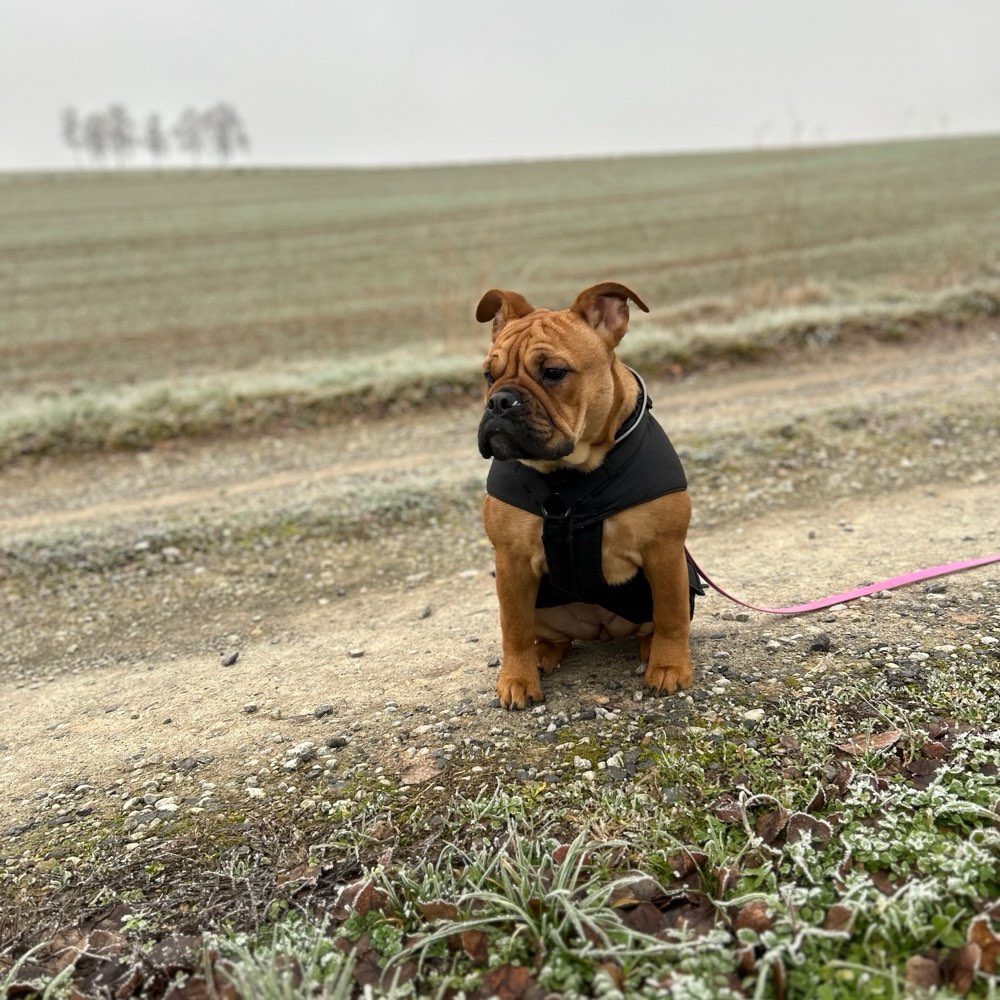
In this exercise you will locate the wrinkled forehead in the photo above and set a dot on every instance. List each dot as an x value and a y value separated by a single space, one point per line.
539 334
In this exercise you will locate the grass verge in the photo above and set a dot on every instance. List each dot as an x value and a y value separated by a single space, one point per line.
312 394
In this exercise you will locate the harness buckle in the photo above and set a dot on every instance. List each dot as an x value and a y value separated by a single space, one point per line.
554 508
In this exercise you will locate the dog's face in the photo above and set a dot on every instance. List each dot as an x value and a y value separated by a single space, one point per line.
551 396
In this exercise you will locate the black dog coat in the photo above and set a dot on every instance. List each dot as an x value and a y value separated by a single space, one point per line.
641 466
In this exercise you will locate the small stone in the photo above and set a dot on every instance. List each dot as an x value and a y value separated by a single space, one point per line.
336 742
820 643
229 657
250 707
754 715
581 764
355 654
425 613
322 711
303 751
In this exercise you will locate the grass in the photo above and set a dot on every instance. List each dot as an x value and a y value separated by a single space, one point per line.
226 402
742 860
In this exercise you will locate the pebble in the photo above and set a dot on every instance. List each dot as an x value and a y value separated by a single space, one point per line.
322 711
754 715
229 657
355 654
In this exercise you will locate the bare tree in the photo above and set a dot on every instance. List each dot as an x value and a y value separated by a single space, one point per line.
72 132
155 138
189 133
121 132
96 136
113 132
225 130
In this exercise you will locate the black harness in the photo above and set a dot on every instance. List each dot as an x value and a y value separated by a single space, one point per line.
642 465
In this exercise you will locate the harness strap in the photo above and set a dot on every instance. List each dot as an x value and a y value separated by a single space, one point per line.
850 595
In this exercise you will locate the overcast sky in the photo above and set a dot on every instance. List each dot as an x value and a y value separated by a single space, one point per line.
416 81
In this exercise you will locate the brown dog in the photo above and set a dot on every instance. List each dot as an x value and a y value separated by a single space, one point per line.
587 506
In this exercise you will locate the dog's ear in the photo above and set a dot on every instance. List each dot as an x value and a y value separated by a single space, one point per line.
606 305
501 307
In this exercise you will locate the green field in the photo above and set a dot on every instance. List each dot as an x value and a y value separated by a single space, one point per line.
117 278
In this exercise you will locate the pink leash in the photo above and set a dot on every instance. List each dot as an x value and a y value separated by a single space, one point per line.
850 595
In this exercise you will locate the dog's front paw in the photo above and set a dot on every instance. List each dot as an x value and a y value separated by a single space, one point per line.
668 678
518 690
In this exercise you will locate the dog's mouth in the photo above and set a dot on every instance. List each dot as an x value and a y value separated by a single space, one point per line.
505 439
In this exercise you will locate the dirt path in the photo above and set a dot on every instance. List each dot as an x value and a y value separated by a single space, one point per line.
105 674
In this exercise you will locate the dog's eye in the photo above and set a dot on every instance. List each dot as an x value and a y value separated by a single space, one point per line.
554 374
489 378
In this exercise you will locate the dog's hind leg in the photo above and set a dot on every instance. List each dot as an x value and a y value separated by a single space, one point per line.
551 654
645 643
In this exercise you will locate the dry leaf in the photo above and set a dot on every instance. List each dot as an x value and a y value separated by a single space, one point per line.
476 945
754 915
800 823
981 932
511 982
438 909
726 876
642 889
959 967
686 862
359 897
838 918
644 918
770 824
863 743
727 809
923 973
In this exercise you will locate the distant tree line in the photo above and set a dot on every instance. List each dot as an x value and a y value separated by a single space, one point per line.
112 135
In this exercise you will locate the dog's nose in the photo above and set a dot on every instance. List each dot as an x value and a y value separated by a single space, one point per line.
501 401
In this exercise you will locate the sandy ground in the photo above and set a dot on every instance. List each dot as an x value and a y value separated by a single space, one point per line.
96 674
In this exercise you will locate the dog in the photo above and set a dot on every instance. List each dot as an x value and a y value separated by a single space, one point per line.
587 506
